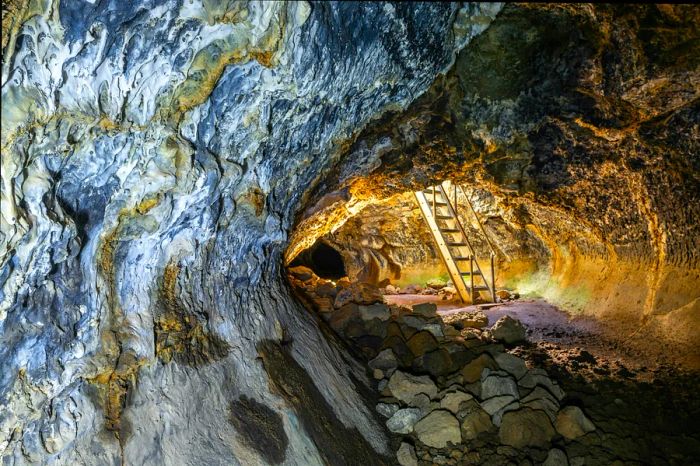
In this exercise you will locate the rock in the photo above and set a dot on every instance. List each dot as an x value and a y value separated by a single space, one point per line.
436 283
375 311
412 289
526 428
472 371
326 289
498 415
420 401
572 423
537 376
556 457
466 319
387 409
405 386
403 420
437 429
508 330
385 361
474 423
421 343
497 403
503 294
541 399
498 383
452 401
378 374
406 456
435 363
302 273
391 290
398 346
511 364
425 309
339 319
359 293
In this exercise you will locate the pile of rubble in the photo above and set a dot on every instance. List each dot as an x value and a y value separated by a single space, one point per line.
448 387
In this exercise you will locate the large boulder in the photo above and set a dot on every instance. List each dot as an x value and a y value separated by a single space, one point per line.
375 311
526 428
405 386
511 364
438 428
425 309
572 423
509 330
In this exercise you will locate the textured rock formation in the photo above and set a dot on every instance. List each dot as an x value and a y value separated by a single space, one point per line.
154 156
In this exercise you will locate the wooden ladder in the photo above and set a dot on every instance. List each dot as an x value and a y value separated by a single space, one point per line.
440 213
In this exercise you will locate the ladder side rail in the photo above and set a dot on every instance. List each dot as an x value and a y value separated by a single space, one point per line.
444 250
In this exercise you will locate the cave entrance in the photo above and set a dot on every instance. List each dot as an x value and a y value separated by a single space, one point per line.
324 260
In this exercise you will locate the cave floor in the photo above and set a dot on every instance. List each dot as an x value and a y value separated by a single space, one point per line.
641 395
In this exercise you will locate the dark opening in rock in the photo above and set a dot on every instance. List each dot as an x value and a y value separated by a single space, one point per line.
324 260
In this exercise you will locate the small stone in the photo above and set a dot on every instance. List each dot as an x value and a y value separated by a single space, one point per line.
511 364
498 383
541 399
405 386
391 290
508 330
385 361
474 423
425 309
375 311
452 401
403 420
497 403
556 457
421 343
387 409
406 456
438 428
466 319
302 273
472 371
535 377
411 289
572 423
503 294
420 401
378 374
436 283
526 428
436 363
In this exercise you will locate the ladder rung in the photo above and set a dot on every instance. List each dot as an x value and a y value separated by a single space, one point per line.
470 273
450 230
481 288
461 258
456 244
444 217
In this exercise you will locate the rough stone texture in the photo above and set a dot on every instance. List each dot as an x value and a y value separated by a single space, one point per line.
526 427
453 401
508 330
406 455
403 420
155 155
437 429
405 386
572 423
556 457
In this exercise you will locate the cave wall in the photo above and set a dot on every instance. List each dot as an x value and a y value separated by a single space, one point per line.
582 120
154 156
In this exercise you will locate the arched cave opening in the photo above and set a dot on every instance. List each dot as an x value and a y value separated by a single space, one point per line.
324 260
